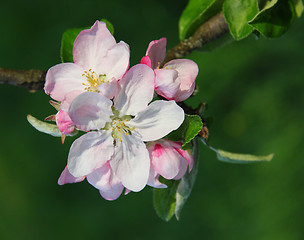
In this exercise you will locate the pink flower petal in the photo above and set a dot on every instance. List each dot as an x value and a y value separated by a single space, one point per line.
169 160
157 52
153 179
187 72
182 170
90 111
131 163
157 120
64 122
146 60
91 45
90 152
137 89
67 177
165 160
108 184
62 79
113 194
167 83
188 157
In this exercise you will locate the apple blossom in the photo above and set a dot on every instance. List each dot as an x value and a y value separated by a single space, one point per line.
122 128
64 122
103 178
169 160
176 80
99 62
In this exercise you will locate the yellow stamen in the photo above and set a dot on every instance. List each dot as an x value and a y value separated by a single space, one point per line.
93 80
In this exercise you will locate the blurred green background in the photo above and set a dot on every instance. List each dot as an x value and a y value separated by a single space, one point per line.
255 94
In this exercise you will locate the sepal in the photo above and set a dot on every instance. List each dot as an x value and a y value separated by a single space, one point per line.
47 128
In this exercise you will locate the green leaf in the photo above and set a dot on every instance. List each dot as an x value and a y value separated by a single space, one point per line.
193 16
164 199
191 126
230 157
275 18
241 158
237 157
169 201
266 4
47 128
298 6
67 42
68 38
186 184
44 127
237 14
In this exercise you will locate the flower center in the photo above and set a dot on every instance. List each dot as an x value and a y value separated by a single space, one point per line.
119 125
93 80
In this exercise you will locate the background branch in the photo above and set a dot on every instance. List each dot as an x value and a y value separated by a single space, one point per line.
212 29
32 79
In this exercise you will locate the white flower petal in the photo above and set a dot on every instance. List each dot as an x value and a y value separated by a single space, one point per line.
104 179
108 89
137 89
116 62
131 163
90 152
153 179
90 111
62 79
113 194
67 177
66 102
187 72
91 45
167 83
159 119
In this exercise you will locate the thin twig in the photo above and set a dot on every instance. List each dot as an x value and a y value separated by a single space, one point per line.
212 29
32 79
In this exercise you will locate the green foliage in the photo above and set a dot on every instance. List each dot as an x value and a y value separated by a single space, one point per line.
47 128
164 199
44 127
241 158
271 18
186 184
237 14
68 38
193 16
298 6
238 157
67 42
170 201
191 126
275 18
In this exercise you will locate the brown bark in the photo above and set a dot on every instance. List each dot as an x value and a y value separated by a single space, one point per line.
212 29
32 79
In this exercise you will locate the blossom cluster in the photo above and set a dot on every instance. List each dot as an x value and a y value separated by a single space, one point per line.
123 148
